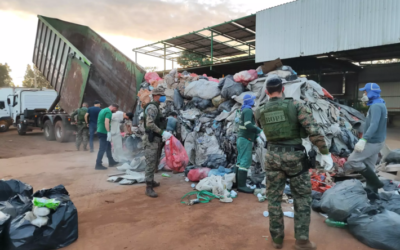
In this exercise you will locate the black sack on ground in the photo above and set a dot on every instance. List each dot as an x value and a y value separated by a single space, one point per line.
230 87
4 219
376 227
215 161
15 206
389 201
60 231
10 188
344 198
393 157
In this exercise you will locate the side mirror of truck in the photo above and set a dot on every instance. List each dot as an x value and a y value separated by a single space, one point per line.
15 104
8 101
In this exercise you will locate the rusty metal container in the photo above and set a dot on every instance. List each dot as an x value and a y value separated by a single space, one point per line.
83 67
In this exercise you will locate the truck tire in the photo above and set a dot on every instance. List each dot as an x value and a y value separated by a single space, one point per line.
21 129
61 133
4 126
49 131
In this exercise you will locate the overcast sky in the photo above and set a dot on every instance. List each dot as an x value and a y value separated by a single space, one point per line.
124 23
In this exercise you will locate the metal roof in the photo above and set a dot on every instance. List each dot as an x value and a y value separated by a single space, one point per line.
220 43
313 27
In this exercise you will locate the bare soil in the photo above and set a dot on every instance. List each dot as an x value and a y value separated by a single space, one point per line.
115 217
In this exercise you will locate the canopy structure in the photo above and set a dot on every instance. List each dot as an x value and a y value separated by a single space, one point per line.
230 41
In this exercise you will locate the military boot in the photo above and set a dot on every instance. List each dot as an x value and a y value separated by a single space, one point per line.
155 184
277 243
242 176
373 182
305 245
149 189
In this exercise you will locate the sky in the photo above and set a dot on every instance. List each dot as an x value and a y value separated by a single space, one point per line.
126 24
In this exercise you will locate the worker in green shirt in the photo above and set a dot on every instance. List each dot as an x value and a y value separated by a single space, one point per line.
104 134
247 134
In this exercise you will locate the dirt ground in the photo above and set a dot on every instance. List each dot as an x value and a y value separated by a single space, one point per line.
115 217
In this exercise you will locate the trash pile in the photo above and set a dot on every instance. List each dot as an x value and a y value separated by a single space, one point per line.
209 112
46 219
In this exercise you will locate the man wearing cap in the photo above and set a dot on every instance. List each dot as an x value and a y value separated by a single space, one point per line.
365 154
285 122
91 119
82 134
154 135
247 134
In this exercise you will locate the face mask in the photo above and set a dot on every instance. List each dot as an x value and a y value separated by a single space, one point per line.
365 98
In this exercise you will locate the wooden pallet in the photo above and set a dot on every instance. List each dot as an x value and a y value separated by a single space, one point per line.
391 172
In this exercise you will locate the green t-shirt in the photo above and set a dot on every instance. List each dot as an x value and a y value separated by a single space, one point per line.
104 113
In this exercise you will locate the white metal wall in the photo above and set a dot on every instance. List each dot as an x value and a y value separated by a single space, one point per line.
311 27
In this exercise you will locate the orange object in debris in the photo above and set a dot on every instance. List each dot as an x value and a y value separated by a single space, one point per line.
326 94
318 182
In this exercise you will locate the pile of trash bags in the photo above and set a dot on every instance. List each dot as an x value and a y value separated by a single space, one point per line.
46 219
372 219
209 111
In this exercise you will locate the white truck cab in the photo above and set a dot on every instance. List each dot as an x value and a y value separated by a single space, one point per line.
16 104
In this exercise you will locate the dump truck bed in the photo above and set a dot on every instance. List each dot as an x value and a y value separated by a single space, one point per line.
83 67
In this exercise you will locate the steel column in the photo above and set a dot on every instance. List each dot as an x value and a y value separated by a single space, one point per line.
212 49
165 58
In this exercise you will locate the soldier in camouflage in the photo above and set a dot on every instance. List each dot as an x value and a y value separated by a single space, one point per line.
285 122
83 129
153 137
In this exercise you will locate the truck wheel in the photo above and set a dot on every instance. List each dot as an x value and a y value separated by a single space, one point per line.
61 133
49 131
21 129
3 126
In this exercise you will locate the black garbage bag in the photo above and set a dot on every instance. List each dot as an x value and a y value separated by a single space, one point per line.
201 103
316 201
15 206
389 201
61 229
4 219
227 106
230 87
178 100
215 161
393 157
10 188
344 198
376 227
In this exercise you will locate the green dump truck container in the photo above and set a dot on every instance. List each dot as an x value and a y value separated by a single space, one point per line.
82 67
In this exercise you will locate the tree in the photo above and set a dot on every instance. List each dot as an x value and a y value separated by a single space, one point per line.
5 78
189 59
29 78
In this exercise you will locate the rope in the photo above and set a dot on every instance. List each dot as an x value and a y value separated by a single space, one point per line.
202 196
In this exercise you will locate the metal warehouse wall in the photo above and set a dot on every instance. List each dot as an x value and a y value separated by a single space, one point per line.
312 27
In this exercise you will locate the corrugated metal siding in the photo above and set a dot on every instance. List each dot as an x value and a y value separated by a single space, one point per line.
312 27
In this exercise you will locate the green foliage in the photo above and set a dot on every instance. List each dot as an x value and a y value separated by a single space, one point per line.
151 68
5 78
188 59
29 79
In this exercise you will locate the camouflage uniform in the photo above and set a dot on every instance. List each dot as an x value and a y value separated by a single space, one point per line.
83 130
152 115
281 165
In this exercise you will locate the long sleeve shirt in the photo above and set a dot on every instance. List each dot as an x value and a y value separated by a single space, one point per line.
247 126
375 124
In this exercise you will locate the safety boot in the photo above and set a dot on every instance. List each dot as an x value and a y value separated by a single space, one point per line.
235 170
113 164
149 190
373 182
242 176
100 167
305 245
